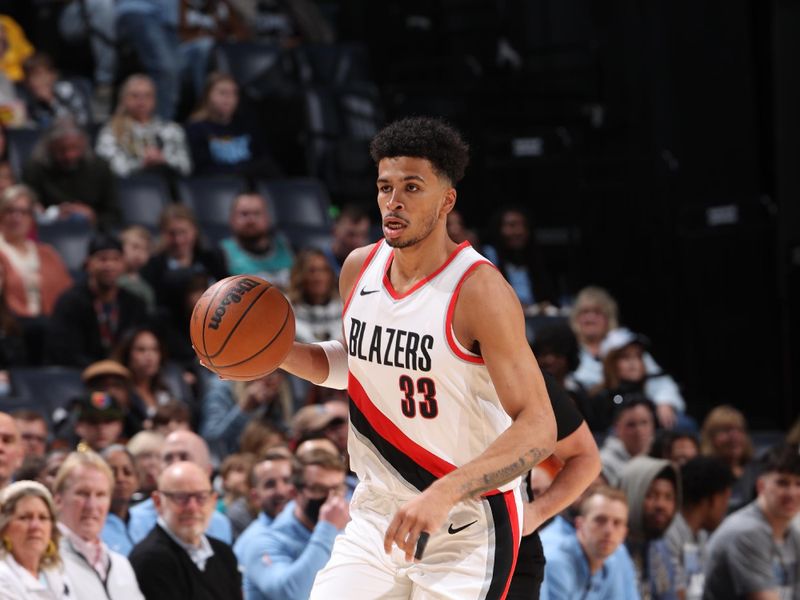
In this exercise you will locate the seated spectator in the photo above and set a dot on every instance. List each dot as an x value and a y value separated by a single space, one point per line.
256 248
52 463
222 141
235 501
93 20
299 541
328 420
176 560
678 447
11 450
99 420
754 552
69 178
706 485
30 563
632 434
136 140
126 481
137 247
47 97
34 275
314 295
145 447
14 48
33 431
514 251
585 563
171 416
82 492
89 318
350 231
179 446
229 405
556 350
113 378
652 487
261 437
271 488
182 256
593 316
724 436
141 352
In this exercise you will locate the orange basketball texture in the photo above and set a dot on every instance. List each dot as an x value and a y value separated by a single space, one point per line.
242 327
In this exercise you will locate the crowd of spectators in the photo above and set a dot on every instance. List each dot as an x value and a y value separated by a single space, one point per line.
157 479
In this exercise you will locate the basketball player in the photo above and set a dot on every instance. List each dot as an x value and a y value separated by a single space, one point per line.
447 404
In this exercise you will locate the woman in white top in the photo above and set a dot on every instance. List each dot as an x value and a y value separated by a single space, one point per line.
314 294
30 564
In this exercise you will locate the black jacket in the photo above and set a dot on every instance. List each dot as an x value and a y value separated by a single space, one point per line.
164 570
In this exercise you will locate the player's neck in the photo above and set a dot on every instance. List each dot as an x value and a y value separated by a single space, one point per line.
413 264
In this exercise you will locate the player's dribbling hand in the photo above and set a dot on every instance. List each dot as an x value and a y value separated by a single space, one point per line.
335 511
427 512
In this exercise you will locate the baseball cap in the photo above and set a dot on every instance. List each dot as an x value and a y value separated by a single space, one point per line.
105 367
103 241
97 407
311 419
616 339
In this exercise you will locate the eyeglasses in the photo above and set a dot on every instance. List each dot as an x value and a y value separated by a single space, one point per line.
183 498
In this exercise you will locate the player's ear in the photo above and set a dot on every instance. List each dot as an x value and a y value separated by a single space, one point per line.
449 200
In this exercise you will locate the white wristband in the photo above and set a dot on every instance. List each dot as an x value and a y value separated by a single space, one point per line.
338 370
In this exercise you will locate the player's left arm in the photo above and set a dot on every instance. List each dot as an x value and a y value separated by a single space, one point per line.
488 315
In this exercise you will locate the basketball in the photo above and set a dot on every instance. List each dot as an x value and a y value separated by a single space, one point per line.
242 327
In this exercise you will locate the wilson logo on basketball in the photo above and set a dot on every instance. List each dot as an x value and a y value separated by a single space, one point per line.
234 295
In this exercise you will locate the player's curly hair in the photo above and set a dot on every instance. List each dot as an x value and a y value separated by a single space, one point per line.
424 137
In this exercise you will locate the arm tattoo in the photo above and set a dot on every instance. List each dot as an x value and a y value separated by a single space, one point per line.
490 481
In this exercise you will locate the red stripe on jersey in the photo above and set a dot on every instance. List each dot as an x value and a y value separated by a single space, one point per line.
392 433
370 256
451 309
398 296
511 505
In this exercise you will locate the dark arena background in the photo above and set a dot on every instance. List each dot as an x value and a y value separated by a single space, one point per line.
656 145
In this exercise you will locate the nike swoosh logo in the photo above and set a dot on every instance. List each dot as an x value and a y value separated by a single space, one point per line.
451 530
366 292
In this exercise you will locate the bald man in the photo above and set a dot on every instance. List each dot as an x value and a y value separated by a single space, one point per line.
180 446
176 559
10 449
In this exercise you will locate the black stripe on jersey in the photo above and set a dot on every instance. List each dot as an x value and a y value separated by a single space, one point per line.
410 470
503 546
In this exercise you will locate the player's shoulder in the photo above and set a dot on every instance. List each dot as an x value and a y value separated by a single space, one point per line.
483 281
352 267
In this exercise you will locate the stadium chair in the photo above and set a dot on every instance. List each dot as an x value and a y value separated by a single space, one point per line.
20 145
214 233
297 202
70 239
301 237
261 69
210 197
46 389
142 198
332 64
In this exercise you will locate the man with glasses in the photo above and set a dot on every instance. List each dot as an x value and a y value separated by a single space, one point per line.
282 561
177 559
180 446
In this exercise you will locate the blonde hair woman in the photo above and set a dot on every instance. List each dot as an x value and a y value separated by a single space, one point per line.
30 563
136 139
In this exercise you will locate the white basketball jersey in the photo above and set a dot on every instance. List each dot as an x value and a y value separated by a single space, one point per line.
421 405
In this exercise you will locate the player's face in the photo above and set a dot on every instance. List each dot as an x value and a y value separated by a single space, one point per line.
603 527
273 486
412 199
779 494
659 506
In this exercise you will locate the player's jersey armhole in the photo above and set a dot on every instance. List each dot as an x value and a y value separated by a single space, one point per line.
361 272
452 342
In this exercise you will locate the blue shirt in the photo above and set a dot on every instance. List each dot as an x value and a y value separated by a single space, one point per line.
116 535
144 517
283 560
258 526
567 576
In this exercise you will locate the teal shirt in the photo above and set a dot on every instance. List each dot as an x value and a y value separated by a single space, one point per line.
274 265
